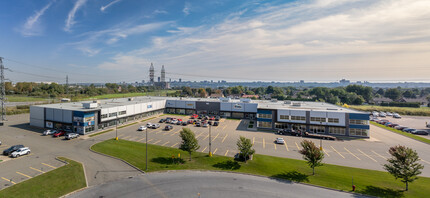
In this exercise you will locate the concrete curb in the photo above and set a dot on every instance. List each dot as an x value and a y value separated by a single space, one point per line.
85 175
131 165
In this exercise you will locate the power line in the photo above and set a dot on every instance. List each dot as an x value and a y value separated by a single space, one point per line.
3 91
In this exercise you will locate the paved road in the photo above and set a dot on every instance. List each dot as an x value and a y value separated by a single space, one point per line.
208 184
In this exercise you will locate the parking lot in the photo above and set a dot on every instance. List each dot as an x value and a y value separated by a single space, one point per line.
365 153
416 122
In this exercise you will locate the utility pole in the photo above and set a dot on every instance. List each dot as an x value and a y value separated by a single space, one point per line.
67 84
210 142
3 92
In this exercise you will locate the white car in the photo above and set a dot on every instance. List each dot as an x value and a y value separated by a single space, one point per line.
174 121
141 128
49 132
21 151
149 125
280 141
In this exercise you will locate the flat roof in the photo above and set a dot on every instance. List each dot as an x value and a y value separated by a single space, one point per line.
262 104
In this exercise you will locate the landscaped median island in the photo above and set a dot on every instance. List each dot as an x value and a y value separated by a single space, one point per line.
371 182
55 183
416 137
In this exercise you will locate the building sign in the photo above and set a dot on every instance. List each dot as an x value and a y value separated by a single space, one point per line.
49 125
78 119
190 104
237 106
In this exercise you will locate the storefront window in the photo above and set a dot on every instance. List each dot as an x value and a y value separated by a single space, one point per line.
264 124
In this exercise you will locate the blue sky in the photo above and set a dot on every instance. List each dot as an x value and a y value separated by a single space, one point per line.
312 40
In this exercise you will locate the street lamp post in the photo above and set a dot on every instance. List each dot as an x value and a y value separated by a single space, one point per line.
146 131
116 128
210 141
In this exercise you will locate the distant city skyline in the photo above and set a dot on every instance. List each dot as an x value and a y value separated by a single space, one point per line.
286 41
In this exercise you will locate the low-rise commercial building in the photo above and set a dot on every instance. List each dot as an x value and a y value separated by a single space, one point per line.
314 117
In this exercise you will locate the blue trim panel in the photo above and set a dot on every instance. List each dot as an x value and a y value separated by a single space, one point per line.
359 126
261 111
264 119
358 116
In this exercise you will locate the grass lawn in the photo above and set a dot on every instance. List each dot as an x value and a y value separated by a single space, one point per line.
20 98
369 182
55 183
422 111
416 137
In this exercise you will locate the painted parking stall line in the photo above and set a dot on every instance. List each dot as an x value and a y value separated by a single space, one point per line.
298 148
174 145
9 180
165 143
157 142
326 153
24 174
37 170
337 152
379 155
216 149
351 153
204 149
226 153
366 155
286 146
215 137
49 165
226 137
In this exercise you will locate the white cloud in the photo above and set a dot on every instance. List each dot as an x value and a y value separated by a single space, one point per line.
187 9
310 40
103 8
70 21
124 63
160 12
29 28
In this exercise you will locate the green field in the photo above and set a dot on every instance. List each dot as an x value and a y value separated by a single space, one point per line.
416 137
19 98
55 183
126 95
422 111
369 182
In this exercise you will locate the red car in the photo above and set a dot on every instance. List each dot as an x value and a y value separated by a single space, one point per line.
180 120
194 116
59 133
212 118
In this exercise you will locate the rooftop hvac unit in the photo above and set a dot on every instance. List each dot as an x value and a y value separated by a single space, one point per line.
130 99
274 100
297 104
331 109
245 100
288 102
90 105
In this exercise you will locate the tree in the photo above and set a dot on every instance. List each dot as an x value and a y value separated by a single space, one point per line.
393 93
244 146
403 164
409 94
189 142
311 154
202 92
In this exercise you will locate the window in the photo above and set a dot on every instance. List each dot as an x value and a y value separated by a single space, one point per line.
122 112
359 122
300 127
317 129
284 117
279 125
337 130
358 132
301 118
317 119
112 114
333 120
264 124
103 116
265 116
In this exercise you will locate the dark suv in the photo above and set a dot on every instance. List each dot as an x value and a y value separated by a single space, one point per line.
12 149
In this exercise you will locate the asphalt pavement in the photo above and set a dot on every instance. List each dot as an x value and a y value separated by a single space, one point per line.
205 184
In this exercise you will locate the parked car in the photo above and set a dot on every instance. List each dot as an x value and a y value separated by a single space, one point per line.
179 123
161 121
212 118
210 122
420 132
217 118
393 125
59 133
49 132
216 123
70 136
12 149
279 141
168 127
190 122
409 130
0 143
149 125
402 127
389 114
288 132
20 151
396 115
155 126
184 123
382 114
194 116
198 124
205 124
141 128
174 122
